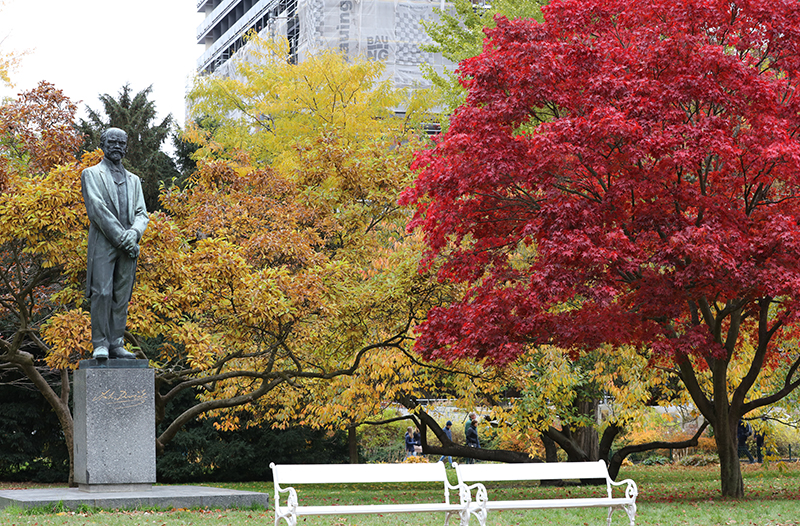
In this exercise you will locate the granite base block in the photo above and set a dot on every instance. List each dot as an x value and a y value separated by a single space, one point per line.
157 496
114 417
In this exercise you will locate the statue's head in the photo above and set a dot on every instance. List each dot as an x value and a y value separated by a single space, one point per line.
114 143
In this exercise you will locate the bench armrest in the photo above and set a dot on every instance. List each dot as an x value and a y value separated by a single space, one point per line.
291 500
465 492
631 491
448 488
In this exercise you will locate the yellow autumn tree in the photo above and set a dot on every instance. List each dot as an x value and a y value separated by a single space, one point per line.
42 239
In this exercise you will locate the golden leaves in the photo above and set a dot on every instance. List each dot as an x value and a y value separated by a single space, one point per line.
199 346
69 335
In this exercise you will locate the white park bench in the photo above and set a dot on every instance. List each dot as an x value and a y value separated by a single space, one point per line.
473 476
286 476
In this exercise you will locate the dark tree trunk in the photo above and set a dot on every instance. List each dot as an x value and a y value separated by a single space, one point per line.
727 413
566 441
352 441
587 438
609 435
729 466
550 456
550 449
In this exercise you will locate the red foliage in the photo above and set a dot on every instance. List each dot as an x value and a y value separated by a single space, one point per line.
39 126
613 171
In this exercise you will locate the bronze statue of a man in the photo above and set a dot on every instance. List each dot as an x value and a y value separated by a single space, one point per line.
118 217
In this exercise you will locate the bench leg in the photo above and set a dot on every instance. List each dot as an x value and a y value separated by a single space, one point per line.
480 513
463 517
290 517
630 509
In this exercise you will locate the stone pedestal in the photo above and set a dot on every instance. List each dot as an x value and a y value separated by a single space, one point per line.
114 420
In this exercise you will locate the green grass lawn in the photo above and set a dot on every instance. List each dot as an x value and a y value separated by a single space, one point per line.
668 496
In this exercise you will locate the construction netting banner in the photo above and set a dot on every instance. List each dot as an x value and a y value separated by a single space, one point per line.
386 30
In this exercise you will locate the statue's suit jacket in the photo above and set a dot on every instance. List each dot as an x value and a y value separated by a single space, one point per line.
100 198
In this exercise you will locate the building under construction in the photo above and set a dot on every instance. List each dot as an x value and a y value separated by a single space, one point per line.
386 30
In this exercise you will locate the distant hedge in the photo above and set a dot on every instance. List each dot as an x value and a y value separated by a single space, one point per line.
32 446
201 453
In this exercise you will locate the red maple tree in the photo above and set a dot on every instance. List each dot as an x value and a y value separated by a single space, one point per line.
627 172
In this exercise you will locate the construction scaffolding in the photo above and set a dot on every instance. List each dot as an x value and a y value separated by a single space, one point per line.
387 30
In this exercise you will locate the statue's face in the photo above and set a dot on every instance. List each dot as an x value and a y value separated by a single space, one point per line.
115 146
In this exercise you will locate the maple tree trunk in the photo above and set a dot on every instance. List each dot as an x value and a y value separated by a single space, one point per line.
729 467
725 426
69 436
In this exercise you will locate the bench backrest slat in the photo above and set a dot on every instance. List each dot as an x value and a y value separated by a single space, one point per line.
357 473
532 471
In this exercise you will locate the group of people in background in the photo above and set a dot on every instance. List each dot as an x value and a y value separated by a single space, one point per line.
414 445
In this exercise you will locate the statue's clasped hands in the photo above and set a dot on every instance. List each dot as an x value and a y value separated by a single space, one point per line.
129 244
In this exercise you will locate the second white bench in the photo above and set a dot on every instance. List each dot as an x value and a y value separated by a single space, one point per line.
472 477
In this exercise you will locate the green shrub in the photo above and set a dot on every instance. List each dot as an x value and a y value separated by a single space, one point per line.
655 460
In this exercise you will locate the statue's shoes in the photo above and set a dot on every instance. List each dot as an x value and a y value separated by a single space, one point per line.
100 353
120 353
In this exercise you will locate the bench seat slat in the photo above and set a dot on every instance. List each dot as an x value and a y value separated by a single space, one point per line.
530 471
555 503
357 473
376 508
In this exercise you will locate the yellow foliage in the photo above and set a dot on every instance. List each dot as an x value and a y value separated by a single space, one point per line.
706 444
290 253
44 218
69 335
416 460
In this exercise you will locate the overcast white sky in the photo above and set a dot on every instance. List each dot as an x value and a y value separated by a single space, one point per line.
90 47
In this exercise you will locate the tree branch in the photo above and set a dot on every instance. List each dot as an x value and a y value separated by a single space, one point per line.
622 454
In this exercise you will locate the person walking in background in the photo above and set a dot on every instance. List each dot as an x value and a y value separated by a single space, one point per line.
409 438
472 437
760 447
449 432
742 432
470 417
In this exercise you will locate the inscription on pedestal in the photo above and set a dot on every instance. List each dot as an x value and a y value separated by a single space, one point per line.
114 428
